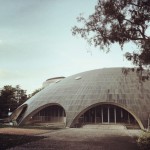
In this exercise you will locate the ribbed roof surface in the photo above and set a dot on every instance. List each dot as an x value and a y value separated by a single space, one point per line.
77 92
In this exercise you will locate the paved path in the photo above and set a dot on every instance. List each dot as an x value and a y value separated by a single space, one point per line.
85 139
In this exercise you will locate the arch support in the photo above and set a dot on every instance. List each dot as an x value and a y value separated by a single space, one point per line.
18 114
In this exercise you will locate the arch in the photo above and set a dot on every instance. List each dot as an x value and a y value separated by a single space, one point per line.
107 103
18 114
46 114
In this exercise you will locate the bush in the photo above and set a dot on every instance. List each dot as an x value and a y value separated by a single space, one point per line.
144 141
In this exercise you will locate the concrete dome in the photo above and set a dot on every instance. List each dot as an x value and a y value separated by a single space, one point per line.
81 92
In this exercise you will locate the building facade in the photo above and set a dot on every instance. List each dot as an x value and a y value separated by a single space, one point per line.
102 96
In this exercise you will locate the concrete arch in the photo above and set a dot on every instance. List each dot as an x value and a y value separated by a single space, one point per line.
27 118
107 103
19 113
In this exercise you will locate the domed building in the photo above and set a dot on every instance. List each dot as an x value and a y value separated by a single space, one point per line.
102 96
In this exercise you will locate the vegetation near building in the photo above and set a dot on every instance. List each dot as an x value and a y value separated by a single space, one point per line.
10 99
144 141
119 22
35 92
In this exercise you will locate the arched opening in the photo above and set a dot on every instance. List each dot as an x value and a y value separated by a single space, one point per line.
53 114
106 114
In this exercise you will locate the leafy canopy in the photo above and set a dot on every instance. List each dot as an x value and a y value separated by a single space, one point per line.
119 21
35 92
10 99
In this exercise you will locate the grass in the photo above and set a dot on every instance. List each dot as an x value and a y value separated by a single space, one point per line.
9 141
32 127
41 127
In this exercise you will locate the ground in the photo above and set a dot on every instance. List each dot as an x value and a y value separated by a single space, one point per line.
87 138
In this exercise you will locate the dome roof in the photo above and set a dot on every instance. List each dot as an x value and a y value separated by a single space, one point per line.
52 81
78 92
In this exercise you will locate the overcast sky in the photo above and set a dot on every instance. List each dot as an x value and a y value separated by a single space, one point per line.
36 42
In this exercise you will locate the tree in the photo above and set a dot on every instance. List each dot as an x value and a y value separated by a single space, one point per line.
20 95
10 99
35 92
7 94
119 21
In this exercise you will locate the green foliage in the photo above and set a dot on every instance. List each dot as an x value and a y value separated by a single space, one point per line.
144 141
35 92
119 21
10 99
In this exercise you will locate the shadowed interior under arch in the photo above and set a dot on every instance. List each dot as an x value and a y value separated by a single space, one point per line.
106 114
50 114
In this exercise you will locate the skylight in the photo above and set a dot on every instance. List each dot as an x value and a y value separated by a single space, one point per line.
78 78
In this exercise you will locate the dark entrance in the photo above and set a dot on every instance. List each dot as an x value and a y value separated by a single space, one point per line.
107 114
112 114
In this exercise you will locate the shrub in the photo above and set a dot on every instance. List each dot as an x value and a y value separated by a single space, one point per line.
144 141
